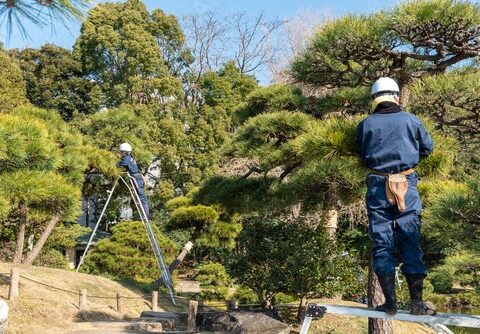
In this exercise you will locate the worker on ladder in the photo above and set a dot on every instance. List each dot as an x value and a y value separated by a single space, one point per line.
391 143
132 168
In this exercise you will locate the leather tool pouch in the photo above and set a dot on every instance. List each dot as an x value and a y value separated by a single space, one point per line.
396 188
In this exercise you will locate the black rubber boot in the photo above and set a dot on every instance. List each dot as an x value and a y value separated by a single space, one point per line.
388 287
415 286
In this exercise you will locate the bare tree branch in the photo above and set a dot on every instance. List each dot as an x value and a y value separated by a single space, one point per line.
251 39
206 36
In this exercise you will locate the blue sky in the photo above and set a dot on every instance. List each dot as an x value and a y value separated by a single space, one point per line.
65 36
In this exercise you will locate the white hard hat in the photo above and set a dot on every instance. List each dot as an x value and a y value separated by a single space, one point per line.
125 147
385 85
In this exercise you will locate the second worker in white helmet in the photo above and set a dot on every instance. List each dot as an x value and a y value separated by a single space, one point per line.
129 163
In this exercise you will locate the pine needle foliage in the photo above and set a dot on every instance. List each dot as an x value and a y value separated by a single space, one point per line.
12 85
308 160
128 253
14 13
196 216
453 218
412 39
452 101
209 226
269 99
42 173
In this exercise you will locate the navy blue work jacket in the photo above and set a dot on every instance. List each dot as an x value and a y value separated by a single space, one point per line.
129 163
392 142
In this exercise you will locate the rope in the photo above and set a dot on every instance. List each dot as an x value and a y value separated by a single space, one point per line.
143 297
101 297
48 285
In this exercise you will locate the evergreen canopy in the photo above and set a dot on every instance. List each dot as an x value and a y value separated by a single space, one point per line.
415 38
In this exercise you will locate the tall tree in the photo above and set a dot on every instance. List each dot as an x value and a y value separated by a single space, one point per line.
12 84
54 80
119 48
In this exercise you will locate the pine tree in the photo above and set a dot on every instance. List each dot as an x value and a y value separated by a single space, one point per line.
40 12
43 166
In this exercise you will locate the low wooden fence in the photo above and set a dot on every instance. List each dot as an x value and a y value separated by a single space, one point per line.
83 295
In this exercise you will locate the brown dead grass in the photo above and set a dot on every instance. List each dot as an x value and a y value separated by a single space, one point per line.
41 309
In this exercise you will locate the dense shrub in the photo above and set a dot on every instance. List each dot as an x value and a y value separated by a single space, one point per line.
214 281
245 295
442 281
52 258
128 253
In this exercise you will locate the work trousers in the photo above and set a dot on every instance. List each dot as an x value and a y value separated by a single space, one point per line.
141 193
391 229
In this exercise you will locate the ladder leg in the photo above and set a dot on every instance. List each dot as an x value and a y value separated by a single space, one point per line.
306 325
164 272
96 226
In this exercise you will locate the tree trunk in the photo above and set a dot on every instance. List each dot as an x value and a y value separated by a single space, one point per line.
267 303
375 298
331 223
302 309
41 241
404 96
259 295
22 222
186 249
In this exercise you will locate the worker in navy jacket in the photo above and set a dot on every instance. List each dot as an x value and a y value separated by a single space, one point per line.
131 167
391 143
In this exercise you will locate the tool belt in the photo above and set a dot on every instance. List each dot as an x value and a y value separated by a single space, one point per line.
396 187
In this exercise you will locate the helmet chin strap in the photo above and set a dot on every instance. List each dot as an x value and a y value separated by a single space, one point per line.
382 98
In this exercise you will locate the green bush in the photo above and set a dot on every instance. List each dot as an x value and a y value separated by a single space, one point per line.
52 258
245 295
128 253
468 299
283 298
442 281
214 281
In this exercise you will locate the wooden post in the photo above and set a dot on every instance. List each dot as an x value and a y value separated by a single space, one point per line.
120 300
82 302
14 279
155 301
192 316
232 305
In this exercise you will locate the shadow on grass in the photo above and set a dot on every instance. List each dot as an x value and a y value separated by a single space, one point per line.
4 280
146 290
91 315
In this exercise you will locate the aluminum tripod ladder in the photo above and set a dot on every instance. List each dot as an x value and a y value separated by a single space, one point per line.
438 321
130 183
